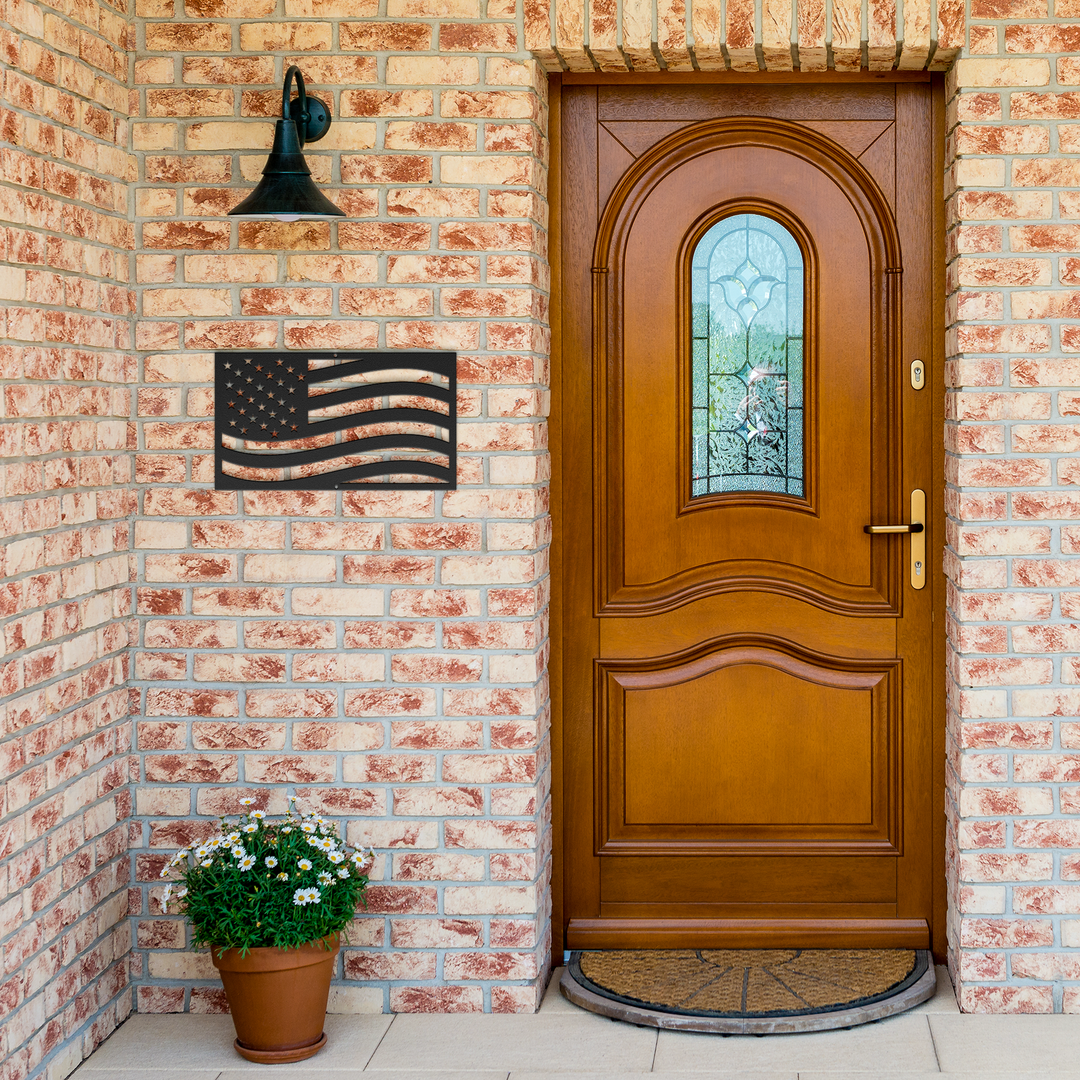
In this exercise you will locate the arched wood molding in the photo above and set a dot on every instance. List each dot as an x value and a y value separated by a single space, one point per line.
612 597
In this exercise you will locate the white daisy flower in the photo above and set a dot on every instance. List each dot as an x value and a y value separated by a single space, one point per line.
247 802
165 897
283 876
325 879
247 862
207 862
232 837
287 829
201 851
325 843
343 872
306 896
270 861
309 827
181 893
304 864
258 815
251 826
238 851
336 857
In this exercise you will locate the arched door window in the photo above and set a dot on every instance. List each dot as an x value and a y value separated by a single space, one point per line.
747 330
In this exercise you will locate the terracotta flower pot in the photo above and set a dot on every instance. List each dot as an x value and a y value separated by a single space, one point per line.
278 999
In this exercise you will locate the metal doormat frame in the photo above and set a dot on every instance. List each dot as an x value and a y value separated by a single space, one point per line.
917 987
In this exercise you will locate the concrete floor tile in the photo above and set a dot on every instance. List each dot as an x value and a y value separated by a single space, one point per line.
359 1074
944 999
982 1044
147 1073
153 1043
1013 1075
832 1074
558 1044
427 1074
899 1044
718 1075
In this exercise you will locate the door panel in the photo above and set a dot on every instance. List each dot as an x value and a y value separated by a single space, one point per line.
800 755
747 701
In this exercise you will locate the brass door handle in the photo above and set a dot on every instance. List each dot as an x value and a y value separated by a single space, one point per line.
918 541
876 530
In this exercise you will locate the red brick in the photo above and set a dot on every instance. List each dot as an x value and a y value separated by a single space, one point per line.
436 999
386 965
435 933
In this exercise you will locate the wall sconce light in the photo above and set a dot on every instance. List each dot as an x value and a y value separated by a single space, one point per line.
286 191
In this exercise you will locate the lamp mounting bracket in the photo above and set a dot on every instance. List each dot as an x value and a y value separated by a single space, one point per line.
318 118
310 115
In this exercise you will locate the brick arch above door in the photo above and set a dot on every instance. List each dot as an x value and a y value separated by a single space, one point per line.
780 35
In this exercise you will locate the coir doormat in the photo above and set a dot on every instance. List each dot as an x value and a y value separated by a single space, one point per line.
750 990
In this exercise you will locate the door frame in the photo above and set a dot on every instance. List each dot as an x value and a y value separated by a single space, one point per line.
936 500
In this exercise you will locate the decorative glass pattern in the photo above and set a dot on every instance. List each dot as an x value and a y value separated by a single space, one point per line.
747 310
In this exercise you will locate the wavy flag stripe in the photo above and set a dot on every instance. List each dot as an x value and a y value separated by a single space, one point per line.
278 415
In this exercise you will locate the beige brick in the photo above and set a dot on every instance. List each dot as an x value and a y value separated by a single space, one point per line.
478 169
186 302
229 135
290 568
432 70
155 136
241 268
1010 72
279 36
969 172
335 268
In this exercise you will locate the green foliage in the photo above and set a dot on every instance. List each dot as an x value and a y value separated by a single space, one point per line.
260 883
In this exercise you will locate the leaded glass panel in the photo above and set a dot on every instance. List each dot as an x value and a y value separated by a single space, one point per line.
747 358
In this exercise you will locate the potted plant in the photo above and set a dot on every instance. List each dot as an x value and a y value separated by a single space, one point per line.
271 899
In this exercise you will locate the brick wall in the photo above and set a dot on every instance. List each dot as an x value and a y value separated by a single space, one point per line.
1012 437
385 656
380 654
66 375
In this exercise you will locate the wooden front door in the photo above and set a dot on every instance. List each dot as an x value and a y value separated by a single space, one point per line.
748 695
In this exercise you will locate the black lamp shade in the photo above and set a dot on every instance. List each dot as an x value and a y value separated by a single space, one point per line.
286 190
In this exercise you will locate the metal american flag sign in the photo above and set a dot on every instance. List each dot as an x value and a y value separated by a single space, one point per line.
323 420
